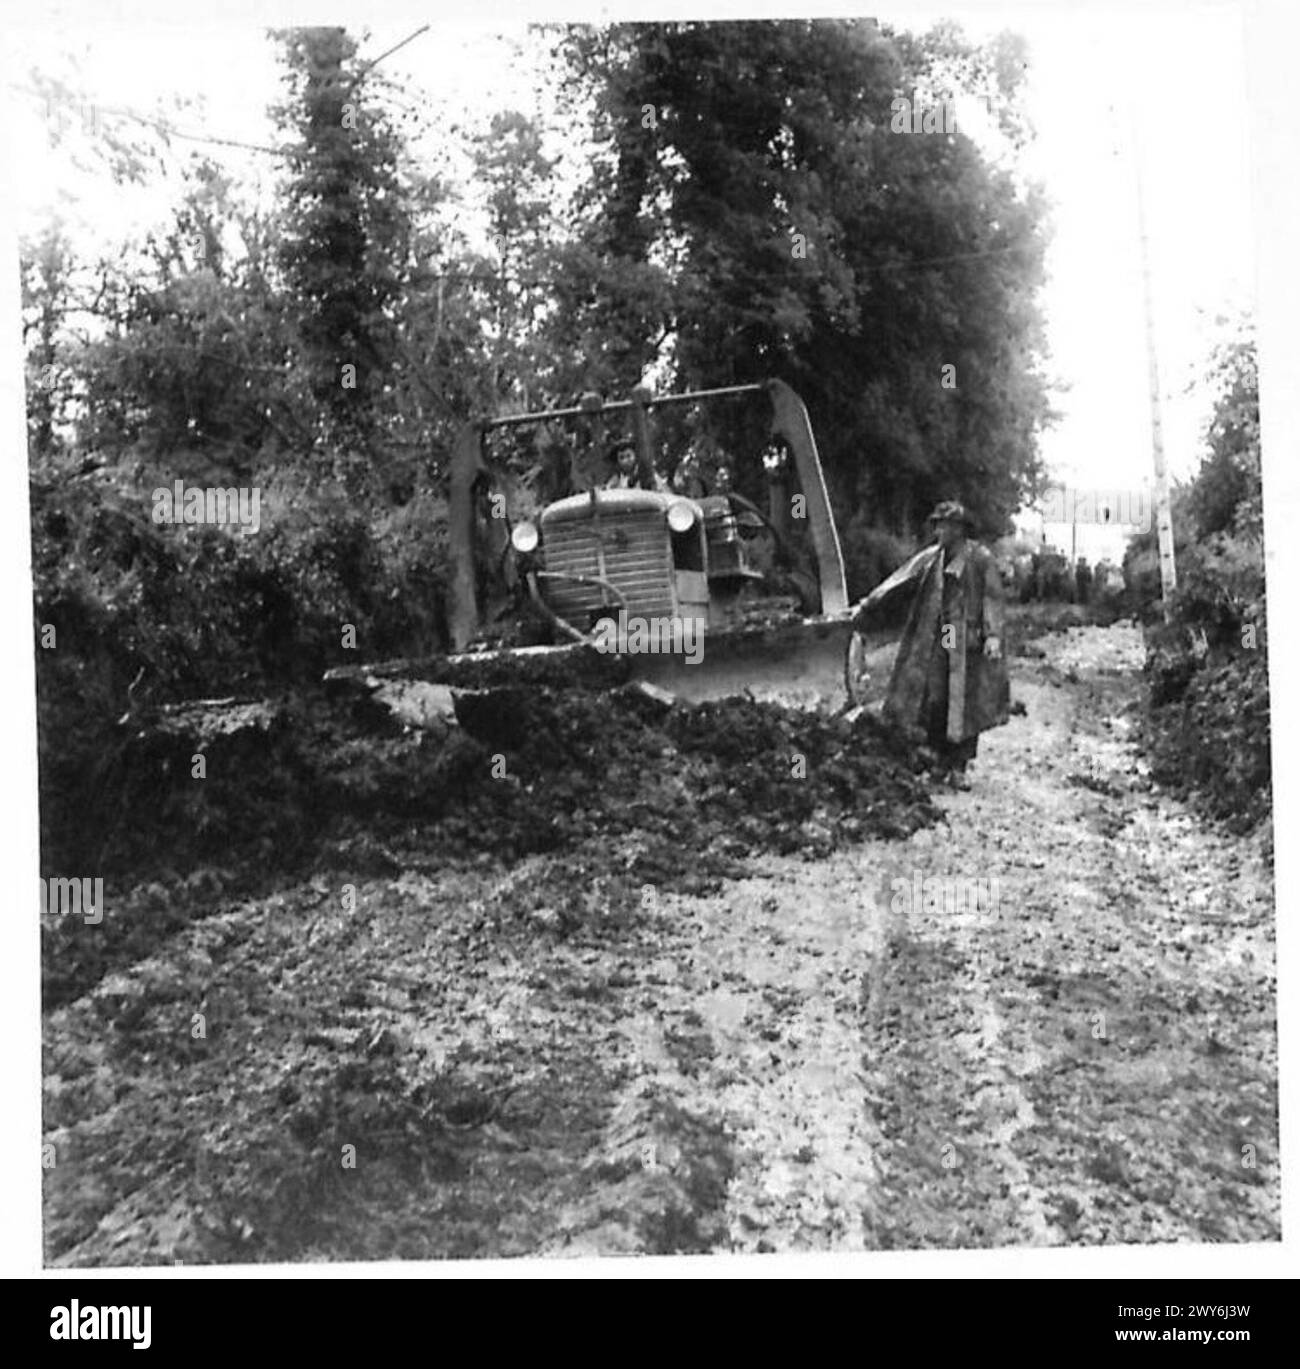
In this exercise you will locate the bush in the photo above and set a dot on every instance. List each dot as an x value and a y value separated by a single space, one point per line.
1208 717
871 554
1221 591
1210 739
1208 704
144 614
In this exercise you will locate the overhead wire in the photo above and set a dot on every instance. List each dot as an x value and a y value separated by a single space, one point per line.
170 130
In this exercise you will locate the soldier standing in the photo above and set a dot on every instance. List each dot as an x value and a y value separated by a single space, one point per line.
949 679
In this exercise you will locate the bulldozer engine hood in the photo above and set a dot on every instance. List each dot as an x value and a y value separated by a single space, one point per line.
614 501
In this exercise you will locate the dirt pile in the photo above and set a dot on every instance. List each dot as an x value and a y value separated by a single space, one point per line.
648 797
639 792
715 780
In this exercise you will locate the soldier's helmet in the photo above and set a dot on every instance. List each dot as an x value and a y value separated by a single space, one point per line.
950 511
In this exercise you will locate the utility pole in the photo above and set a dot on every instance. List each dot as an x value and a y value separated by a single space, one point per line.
1164 518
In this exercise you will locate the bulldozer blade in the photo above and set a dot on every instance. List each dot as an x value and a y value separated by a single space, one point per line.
554 667
804 663
800 663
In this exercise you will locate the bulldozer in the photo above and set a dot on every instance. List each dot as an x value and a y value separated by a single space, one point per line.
643 583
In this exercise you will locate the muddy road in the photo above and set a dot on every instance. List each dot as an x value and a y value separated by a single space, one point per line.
1047 1019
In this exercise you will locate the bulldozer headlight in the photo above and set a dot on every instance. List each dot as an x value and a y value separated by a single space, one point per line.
680 516
524 537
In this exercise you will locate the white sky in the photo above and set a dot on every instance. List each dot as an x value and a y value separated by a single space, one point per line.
1096 73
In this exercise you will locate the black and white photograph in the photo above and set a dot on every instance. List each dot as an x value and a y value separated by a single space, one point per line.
650 634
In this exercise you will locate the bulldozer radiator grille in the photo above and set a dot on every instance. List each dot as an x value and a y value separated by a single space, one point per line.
629 550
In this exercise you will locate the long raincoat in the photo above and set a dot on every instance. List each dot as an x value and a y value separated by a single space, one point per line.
964 596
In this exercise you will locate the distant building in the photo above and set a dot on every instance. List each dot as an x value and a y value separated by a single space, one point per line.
1093 541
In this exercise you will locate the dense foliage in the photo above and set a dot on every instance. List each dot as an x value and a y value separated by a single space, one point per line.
756 212
1208 724
749 210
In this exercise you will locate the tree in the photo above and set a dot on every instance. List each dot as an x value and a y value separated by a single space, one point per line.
345 251
189 359
1218 514
45 271
514 174
1228 491
761 217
